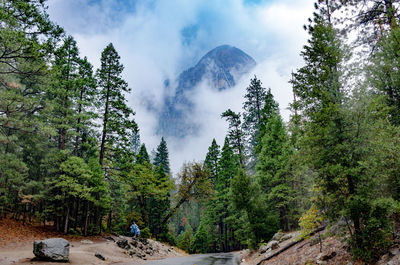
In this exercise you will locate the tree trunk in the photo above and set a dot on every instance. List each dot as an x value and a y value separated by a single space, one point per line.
109 221
66 220
86 219
105 121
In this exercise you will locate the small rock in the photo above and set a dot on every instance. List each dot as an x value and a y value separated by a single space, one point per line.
110 238
134 243
144 241
314 241
328 256
100 256
85 241
394 251
320 262
56 249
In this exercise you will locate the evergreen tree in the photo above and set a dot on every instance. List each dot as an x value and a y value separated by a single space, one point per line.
27 37
212 160
142 156
161 157
384 72
270 109
64 92
273 170
135 143
252 115
117 122
85 104
235 133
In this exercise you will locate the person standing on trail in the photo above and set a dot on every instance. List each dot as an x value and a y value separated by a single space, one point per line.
135 231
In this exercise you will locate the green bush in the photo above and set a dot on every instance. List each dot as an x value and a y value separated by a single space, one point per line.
145 233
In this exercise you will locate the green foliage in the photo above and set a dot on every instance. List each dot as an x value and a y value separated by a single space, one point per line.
274 172
161 157
212 160
201 240
118 125
235 133
185 239
145 233
142 157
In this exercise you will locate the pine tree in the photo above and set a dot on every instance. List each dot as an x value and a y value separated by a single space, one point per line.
212 160
161 157
384 72
270 109
142 156
64 92
273 170
135 143
117 122
252 115
235 133
85 103
28 37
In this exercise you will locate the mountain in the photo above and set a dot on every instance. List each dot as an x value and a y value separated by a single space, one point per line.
220 68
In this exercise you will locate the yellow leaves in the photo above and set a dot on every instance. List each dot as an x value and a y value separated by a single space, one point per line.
309 222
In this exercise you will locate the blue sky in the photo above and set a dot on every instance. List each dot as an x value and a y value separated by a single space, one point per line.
157 39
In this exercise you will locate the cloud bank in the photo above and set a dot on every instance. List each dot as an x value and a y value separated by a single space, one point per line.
158 39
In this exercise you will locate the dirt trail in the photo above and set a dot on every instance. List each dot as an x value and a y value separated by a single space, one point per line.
16 246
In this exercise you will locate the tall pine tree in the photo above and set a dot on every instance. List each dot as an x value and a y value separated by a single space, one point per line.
117 118
161 158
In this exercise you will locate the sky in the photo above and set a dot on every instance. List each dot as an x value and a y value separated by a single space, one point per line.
158 39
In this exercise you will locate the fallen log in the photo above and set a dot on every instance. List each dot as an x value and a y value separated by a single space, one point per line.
290 245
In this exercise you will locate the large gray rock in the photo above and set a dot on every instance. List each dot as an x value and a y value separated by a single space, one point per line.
56 249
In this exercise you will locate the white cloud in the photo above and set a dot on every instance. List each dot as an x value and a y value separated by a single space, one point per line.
148 39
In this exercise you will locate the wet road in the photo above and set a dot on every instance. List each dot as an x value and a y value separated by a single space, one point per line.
202 259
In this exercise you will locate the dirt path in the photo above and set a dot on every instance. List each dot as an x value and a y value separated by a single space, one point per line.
16 247
79 254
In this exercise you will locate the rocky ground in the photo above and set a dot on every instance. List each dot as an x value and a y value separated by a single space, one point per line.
16 247
309 252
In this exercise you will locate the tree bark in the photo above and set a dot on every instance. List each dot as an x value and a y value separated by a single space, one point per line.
66 220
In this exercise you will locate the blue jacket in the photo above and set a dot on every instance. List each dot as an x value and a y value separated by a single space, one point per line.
135 230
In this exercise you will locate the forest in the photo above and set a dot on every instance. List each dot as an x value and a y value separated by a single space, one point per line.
71 155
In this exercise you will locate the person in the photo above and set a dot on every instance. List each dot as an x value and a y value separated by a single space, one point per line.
135 231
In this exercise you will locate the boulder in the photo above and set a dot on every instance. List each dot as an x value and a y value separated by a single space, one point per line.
54 249
123 243
263 249
277 236
100 256
339 227
273 244
285 237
